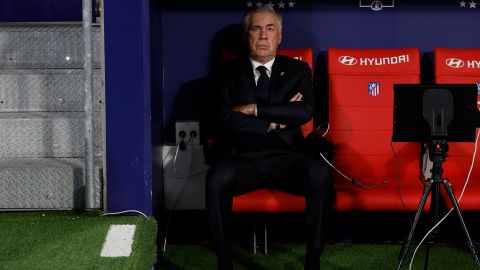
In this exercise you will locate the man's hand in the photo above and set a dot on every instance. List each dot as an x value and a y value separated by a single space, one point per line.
273 126
297 97
248 109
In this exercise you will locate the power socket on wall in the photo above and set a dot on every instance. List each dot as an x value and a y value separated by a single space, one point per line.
189 130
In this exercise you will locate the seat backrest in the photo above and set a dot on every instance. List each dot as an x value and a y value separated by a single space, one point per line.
361 113
454 66
303 54
459 66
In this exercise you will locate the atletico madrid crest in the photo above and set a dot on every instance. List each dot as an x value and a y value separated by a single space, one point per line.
374 88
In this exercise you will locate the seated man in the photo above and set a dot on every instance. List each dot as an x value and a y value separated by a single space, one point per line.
264 99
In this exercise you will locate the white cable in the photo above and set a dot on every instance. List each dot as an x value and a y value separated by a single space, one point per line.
174 171
458 201
326 131
324 158
175 174
351 180
397 164
331 165
126 211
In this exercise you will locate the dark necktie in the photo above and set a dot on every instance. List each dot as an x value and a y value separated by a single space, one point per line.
263 89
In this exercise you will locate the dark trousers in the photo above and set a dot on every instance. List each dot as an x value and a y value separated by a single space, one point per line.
295 173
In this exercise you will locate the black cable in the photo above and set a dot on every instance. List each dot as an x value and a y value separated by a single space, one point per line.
397 165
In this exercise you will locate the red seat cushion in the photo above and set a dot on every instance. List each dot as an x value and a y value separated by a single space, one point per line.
460 66
382 198
361 114
265 200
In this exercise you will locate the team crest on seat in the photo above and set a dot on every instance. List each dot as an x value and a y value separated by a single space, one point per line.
374 88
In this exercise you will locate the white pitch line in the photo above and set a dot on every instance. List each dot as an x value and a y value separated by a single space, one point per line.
118 242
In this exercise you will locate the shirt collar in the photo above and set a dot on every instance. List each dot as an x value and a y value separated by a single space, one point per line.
268 65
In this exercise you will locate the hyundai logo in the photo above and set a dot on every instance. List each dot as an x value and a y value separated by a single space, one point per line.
347 60
454 62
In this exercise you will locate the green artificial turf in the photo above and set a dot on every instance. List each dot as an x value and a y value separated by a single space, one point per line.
334 257
70 240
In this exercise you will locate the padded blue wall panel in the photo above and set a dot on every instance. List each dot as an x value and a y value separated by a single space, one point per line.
127 100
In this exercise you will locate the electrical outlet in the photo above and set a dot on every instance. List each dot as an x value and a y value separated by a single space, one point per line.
192 132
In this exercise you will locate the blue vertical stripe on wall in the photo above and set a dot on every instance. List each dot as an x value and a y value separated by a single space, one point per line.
127 90
156 58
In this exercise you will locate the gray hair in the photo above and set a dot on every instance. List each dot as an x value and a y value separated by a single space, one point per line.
262 9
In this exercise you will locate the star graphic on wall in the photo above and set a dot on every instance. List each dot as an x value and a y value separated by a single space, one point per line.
473 4
272 4
462 4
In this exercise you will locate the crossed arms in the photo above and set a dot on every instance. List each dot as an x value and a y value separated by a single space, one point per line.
251 110
295 110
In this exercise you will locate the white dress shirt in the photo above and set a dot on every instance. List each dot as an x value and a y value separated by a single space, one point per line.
256 64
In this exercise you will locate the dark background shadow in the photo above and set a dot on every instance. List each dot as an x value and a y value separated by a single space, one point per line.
196 99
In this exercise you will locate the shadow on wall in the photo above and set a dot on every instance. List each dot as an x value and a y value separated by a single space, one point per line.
196 99
427 69
320 89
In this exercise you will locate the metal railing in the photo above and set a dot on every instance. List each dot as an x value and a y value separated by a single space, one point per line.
87 66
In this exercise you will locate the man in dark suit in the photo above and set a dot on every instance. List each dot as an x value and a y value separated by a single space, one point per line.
265 98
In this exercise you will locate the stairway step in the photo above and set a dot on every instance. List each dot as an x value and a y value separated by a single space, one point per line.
46 134
45 183
29 46
46 90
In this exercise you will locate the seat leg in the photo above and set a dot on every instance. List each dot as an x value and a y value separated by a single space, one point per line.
257 245
254 241
265 235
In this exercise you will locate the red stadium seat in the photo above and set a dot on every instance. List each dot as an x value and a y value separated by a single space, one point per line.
460 66
361 114
273 201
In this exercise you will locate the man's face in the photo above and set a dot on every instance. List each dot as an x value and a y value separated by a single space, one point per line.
264 36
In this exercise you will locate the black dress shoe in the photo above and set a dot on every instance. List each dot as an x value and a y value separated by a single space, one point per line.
312 259
224 262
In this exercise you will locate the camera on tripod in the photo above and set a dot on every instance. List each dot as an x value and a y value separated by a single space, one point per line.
435 115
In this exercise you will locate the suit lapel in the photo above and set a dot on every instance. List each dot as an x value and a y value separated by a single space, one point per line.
276 78
247 79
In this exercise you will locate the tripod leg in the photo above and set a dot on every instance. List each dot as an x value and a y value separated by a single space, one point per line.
451 195
435 201
406 245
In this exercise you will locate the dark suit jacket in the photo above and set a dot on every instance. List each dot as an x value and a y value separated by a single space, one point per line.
243 133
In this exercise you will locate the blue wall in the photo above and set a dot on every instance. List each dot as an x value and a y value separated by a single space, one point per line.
127 100
192 37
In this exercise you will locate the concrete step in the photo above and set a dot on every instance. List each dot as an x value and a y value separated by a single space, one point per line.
46 134
45 183
47 90
33 46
